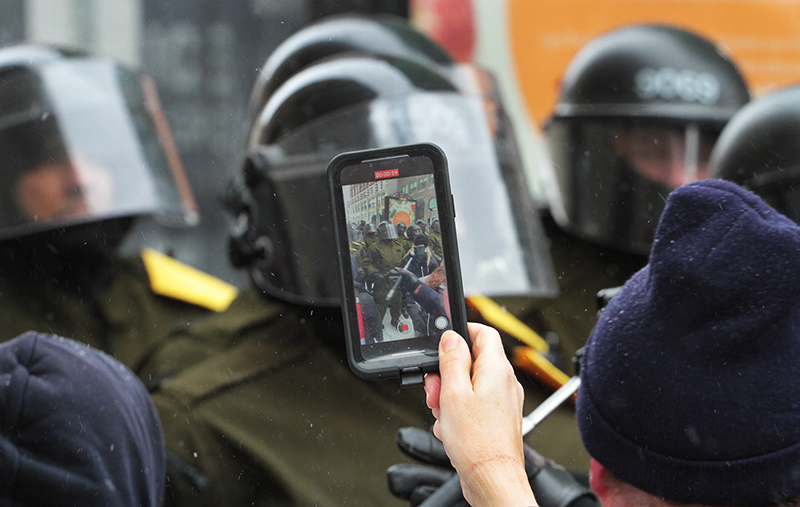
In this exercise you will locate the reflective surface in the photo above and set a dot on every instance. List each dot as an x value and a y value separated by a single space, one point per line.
496 241
81 141
612 176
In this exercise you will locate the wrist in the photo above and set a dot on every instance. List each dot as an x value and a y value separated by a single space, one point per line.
495 485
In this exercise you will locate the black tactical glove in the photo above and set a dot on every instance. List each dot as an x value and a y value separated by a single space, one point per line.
408 281
552 485
416 483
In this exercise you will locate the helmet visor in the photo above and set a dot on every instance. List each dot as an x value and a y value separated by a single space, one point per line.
502 246
387 230
82 141
780 189
613 175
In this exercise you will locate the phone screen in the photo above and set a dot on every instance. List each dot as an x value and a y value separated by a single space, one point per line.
398 257
398 277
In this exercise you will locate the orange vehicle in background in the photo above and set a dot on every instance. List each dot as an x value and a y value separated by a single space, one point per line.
527 44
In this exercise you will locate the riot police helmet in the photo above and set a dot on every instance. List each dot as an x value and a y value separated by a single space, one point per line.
348 33
758 150
386 231
360 101
369 229
83 141
423 225
400 227
639 111
413 231
435 227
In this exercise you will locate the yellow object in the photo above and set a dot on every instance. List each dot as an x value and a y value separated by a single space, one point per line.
530 358
539 367
174 279
503 320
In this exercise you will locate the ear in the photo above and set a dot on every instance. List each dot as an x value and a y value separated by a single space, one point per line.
614 492
601 481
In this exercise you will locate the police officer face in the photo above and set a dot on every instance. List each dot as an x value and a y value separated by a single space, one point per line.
671 156
60 189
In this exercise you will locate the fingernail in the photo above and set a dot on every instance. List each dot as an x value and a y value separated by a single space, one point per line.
449 341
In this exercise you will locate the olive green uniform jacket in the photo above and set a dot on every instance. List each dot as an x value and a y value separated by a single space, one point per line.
378 259
406 243
382 256
258 410
436 244
126 320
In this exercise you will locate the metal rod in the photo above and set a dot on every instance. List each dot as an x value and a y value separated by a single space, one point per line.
552 402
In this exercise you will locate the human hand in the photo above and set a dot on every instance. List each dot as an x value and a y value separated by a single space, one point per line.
478 411
408 280
553 486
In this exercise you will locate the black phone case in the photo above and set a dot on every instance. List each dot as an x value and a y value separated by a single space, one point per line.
412 369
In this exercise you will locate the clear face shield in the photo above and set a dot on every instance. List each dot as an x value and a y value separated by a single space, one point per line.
83 141
502 246
613 175
670 156
387 231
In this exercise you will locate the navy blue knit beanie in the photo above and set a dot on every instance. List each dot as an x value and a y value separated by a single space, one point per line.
76 428
691 377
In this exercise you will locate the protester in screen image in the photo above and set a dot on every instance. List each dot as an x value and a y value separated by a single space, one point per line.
428 307
370 322
374 301
420 260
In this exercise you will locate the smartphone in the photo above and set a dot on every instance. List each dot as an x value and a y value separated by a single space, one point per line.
399 294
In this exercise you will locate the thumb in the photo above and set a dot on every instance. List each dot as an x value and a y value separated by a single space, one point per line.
455 362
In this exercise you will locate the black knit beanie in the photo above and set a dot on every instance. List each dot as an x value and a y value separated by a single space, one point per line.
76 428
691 378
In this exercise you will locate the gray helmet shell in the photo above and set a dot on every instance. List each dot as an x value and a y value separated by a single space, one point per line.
652 71
639 112
758 150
